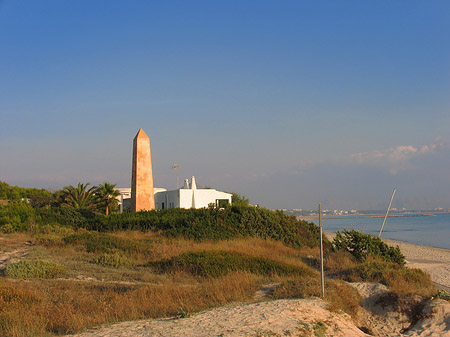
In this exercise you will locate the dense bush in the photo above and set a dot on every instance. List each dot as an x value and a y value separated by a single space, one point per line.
21 216
16 193
361 246
199 224
16 216
218 263
215 224
26 269
76 218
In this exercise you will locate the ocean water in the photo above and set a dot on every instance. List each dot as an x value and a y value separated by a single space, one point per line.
433 231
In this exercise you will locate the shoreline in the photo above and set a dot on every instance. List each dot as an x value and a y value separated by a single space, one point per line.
434 261
360 216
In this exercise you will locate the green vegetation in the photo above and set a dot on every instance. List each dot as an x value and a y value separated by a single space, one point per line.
445 295
100 242
115 260
362 246
172 262
401 279
320 329
16 217
80 207
16 193
79 197
214 224
26 269
217 263
239 200
106 195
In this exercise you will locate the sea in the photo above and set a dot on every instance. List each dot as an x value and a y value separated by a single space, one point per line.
432 231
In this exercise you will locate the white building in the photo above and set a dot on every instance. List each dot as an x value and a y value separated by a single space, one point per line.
189 196
124 198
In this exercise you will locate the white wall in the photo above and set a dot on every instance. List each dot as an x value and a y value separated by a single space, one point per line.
184 198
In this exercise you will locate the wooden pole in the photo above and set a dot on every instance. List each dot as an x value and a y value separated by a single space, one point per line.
322 276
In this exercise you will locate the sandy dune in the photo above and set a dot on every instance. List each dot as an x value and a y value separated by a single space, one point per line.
273 318
297 317
307 317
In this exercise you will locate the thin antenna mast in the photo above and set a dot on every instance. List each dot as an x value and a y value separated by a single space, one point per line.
176 167
387 212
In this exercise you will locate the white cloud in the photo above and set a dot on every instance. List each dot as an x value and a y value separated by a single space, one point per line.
396 158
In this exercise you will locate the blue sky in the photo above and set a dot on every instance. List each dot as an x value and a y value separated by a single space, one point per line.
285 102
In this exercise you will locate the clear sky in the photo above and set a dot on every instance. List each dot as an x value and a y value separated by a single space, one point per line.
285 102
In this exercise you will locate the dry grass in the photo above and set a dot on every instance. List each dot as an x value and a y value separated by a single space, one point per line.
399 279
164 248
13 241
92 293
69 306
339 295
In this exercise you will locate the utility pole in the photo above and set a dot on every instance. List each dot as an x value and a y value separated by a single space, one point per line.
176 167
322 276
387 212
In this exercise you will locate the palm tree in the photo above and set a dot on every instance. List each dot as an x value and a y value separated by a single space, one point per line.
106 194
79 197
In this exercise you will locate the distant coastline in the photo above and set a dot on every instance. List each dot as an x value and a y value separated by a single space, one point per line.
363 216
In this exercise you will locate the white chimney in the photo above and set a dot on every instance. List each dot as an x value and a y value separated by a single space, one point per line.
194 191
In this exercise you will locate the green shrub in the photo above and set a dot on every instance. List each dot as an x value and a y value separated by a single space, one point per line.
115 260
361 246
101 242
55 229
214 224
445 295
18 215
26 269
7 228
217 263
76 218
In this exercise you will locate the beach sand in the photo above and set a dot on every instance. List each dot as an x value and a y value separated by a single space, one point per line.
306 317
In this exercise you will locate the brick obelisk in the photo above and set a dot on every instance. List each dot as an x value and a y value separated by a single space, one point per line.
142 195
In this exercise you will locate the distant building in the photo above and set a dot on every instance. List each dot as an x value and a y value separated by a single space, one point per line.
188 196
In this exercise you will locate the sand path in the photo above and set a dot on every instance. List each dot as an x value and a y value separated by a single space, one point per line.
12 255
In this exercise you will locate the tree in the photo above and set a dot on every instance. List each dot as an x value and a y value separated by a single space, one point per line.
41 199
106 194
80 197
238 200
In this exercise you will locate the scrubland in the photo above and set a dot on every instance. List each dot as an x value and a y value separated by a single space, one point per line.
72 278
